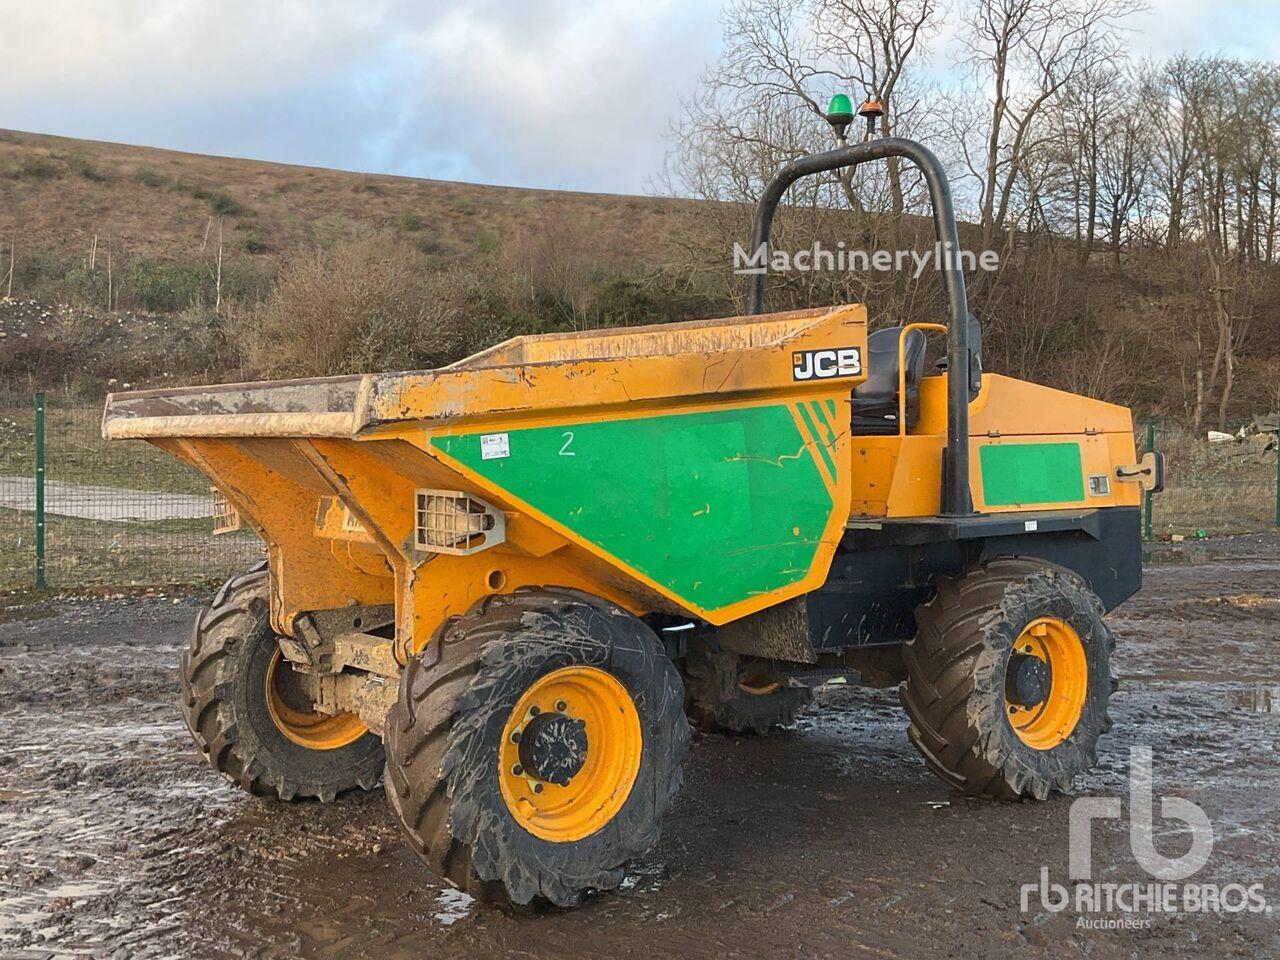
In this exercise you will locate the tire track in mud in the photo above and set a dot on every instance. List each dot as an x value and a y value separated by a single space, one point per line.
829 839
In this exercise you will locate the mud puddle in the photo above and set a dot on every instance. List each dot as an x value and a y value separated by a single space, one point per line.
829 839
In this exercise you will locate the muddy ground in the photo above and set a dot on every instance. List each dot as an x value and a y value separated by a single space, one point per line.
830 839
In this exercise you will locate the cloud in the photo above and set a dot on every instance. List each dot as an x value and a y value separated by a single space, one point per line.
553 93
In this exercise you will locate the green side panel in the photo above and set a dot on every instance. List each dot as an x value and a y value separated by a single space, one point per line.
1031 473
716 506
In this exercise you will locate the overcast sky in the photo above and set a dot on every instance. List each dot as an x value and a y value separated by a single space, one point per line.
536 93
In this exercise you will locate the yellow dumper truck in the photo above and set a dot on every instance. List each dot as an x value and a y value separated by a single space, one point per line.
503 587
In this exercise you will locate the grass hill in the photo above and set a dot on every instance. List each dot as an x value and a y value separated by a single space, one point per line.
144 265
57 194
118 274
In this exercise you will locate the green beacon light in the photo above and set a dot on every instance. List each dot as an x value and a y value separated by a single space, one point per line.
840 115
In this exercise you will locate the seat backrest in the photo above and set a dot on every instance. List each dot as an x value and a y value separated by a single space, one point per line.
882 364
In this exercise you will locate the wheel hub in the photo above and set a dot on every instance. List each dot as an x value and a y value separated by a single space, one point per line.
1046 682
570 753
1027 680
294 713
553 747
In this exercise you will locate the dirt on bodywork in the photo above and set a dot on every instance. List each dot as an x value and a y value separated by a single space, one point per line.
827 839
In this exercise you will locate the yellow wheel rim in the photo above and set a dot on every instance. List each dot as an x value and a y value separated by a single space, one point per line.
759 685
591 709
293 714
1047 723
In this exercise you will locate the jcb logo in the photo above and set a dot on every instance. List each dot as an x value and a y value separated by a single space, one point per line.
822 364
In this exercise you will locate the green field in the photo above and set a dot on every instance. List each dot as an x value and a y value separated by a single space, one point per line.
76 453
86 554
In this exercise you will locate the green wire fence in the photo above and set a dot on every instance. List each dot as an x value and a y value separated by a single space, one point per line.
1213 488
80 513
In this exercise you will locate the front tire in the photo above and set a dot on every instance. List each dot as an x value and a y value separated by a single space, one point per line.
535 747
248 716
1009 679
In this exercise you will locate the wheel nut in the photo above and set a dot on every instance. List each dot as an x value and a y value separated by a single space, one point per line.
515 736
537 788
534 711
561 706
517 770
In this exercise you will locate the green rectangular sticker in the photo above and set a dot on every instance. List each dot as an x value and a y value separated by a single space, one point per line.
1026 473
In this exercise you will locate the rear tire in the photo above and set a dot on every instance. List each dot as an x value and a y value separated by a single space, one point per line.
957 692
450 747
725 692
224 701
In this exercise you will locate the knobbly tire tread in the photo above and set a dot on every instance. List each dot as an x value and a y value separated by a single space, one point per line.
760 713
745 712
953 694
231 642
441 740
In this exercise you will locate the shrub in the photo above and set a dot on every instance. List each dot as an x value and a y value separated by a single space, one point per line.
56 279
410 222
487 241
219 203
366 305
625 302
79 164
163 286
38 168
148 177
253 242
428 244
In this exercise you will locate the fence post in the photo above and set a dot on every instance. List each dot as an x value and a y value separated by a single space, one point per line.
1147 497
1278 475
40 581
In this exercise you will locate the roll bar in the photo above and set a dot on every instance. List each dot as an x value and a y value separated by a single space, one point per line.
956 496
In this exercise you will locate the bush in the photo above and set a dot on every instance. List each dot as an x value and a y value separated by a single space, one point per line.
148 177
624 302
38 168
429 244
219 203
79 164
410 222
365 305
56 279
487 241
252 242
163 286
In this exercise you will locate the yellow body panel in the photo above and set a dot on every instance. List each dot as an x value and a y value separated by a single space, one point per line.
328 471
902 476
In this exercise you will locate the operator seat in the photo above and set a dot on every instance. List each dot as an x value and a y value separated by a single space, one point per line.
874 406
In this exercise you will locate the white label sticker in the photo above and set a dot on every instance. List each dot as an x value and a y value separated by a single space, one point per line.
1030 525
494 446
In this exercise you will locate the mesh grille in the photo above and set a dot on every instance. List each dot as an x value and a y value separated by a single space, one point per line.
448 521
226 518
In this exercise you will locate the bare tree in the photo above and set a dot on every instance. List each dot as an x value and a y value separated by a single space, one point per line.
1122 164
1025 52
874 44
